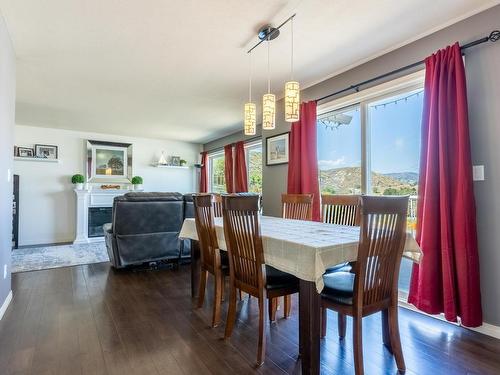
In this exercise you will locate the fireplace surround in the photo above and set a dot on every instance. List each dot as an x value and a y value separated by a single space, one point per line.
92 208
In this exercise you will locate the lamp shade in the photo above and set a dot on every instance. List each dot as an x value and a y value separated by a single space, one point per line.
250 120
292 101
268 111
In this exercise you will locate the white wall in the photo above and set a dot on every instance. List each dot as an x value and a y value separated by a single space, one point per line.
47 201
7 110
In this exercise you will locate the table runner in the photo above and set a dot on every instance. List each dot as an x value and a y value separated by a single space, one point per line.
304 249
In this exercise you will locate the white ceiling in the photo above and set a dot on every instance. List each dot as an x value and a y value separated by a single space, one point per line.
178 69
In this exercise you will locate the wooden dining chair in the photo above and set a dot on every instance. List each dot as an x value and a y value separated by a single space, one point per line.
296 206
373 287
246 263
211 260
340 209
217 204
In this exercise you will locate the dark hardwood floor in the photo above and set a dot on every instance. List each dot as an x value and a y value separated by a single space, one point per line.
94 320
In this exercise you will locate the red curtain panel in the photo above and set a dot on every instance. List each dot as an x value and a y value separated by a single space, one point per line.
203 172
303 157
228 168
447 279
240 168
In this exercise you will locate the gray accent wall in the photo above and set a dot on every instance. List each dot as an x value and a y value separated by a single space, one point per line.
483 79
7 106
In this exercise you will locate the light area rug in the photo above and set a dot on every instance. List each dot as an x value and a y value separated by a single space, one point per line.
45 257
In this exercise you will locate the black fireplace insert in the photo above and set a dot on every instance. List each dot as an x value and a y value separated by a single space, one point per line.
98 216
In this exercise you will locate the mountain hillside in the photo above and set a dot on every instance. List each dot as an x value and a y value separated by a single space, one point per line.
348 180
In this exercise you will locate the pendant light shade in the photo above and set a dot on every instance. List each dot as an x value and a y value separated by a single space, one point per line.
268 111
250 122
292 101
292 91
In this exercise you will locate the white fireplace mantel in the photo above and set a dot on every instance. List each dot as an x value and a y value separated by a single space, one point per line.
91 198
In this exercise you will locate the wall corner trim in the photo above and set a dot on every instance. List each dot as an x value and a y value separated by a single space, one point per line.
5 304
487 329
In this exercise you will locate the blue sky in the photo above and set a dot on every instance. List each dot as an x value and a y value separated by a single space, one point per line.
395 138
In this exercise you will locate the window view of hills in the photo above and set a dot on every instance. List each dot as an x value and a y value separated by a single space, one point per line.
347 180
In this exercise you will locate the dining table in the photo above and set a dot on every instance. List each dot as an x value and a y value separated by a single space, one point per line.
305 249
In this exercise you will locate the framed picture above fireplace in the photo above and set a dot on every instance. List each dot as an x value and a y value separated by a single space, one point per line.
109 162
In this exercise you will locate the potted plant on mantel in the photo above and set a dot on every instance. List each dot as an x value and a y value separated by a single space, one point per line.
137 182
78 180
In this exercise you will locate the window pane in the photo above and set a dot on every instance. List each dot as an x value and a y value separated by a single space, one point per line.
339 151
395 124
217 179
254 163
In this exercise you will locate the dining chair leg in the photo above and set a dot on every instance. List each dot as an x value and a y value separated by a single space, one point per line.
261 350
223 288
395 338
386 336
342 325
231 313
273 307
203 285
358 344
218 291
287 308
324 319
240 295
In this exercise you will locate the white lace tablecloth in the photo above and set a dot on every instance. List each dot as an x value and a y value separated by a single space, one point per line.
304 248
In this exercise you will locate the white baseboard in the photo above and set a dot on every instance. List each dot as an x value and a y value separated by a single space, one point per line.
487 329
5 304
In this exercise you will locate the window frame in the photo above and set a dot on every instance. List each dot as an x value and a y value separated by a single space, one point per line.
211 157
363 99
220 153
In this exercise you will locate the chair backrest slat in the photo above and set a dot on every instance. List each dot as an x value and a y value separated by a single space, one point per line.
243 239
205 227
340 209
382 239
297 206
217 204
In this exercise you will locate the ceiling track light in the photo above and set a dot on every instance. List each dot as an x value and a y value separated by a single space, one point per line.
292 88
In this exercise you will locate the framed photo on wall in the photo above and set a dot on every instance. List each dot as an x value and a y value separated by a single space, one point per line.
109 162
25 152
46 151
277 149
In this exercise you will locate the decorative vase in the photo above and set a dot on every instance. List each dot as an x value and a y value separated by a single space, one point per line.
79 186
138 187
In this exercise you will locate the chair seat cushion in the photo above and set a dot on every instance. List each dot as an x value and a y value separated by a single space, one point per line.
339 287
276 279
342 267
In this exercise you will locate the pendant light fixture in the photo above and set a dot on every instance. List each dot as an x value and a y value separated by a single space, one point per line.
292 92
268 100
250 119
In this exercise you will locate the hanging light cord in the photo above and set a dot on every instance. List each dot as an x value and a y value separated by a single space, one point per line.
268 69
291 56
250 77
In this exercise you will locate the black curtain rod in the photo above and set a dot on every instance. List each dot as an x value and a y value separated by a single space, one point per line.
493 37
233 143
